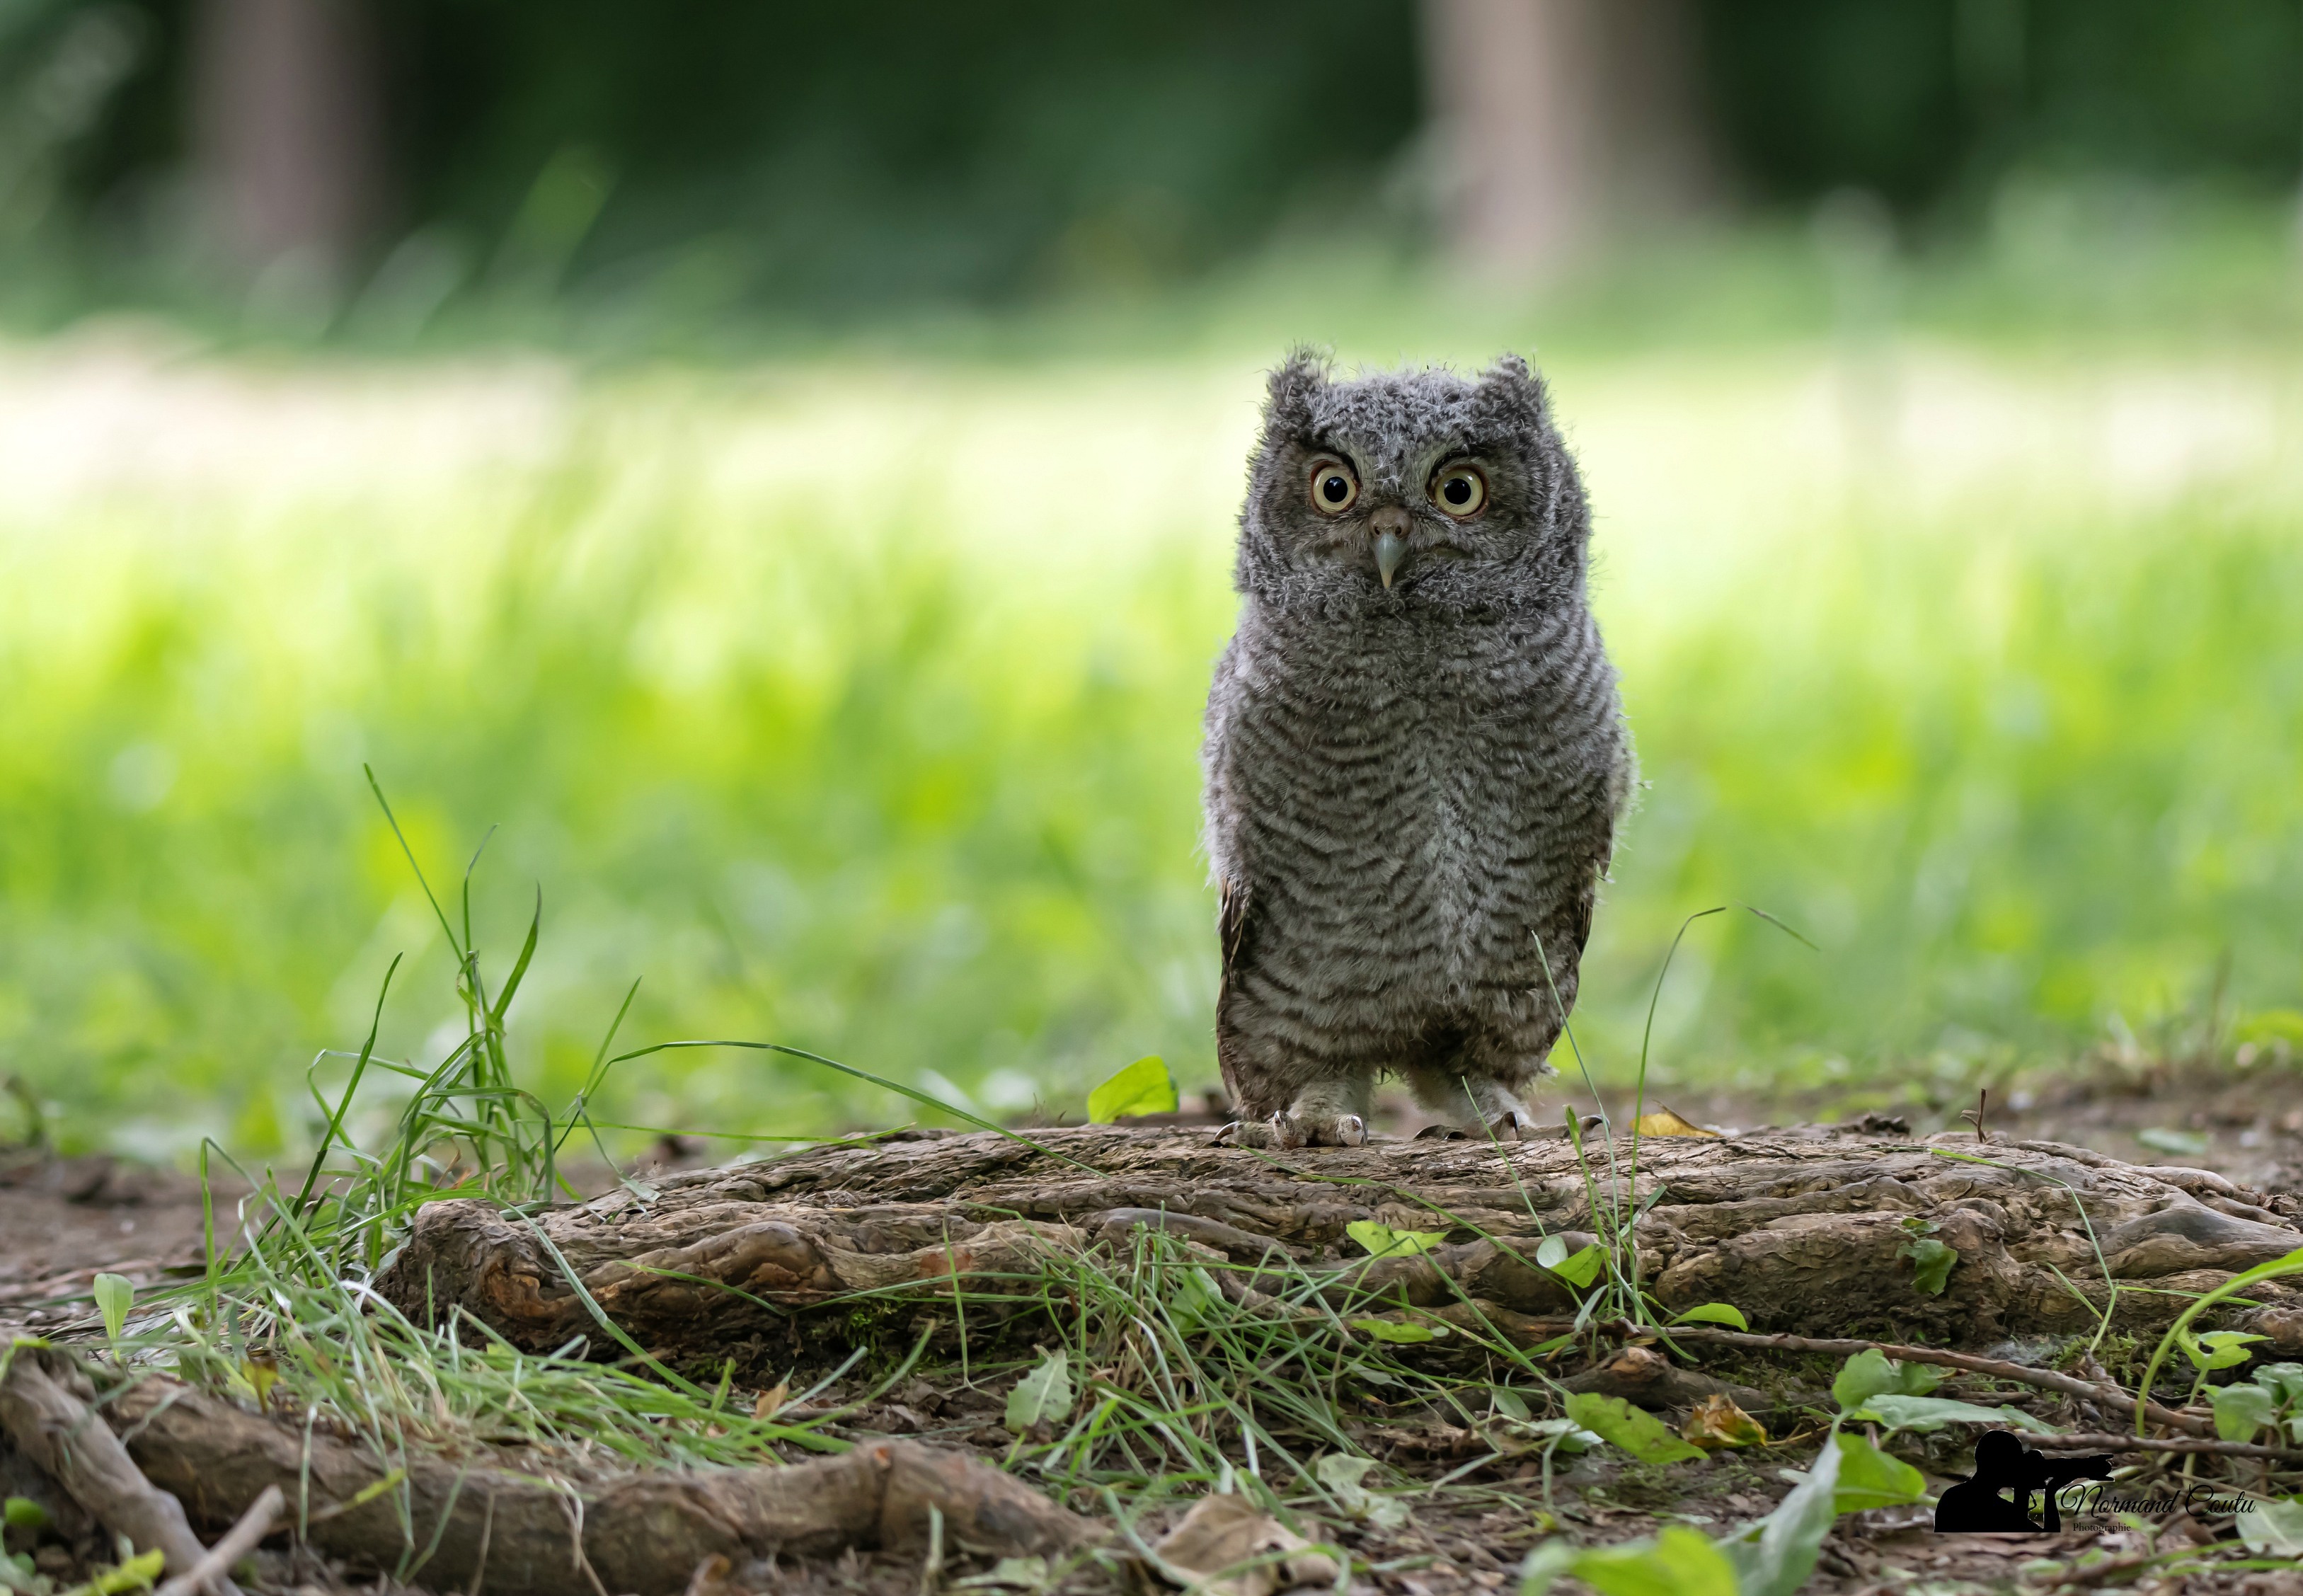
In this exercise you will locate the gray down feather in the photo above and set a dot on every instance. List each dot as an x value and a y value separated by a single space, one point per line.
1411 789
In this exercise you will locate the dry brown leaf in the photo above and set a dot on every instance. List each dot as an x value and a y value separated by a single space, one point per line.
1717 1422
1224 1532
771 1401
1663 1122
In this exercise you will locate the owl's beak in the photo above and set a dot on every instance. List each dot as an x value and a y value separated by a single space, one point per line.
1390 549
1390 525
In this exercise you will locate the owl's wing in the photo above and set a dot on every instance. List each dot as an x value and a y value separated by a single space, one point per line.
1231 928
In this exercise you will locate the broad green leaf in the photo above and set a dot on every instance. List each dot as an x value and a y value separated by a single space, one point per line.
115 1296
1869 1478
1775 1556
2218 1349
1635 1429
1678 1562
18 1572
1043 1396
1508 1402
2283 1381
1577 1269
1925 1413
2161 1139
1382 1241
1386 1330
1872 1372
2272 1529
1345 1479
1726 1314
22 1513
1144 1087
2241 1410
1931 1262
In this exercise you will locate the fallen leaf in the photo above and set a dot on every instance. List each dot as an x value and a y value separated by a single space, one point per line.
771 1401
1230 1532
1717 1422
1665 1123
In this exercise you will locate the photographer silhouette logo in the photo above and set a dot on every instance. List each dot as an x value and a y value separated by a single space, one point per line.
1980 1505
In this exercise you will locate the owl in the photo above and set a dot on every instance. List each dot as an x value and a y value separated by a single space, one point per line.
1415 759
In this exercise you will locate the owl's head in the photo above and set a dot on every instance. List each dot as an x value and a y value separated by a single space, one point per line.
1412 488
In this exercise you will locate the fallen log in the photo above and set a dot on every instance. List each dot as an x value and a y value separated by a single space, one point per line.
1807 1231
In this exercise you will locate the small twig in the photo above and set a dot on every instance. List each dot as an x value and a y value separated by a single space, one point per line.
2099 1442
2045 1379
238 1541
1974 1116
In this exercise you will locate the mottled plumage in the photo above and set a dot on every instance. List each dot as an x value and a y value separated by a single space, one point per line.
1415 758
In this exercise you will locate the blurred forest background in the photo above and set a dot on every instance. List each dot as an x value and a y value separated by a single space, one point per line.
775 463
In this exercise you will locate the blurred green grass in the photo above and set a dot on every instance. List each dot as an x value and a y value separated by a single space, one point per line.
854 705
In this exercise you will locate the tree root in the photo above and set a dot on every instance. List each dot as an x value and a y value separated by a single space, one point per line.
1809 1232
161 1450
46 1409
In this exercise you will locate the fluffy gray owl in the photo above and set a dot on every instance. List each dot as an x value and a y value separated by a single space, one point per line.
1415 758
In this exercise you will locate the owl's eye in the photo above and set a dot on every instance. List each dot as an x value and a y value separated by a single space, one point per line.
1334 488
1460 491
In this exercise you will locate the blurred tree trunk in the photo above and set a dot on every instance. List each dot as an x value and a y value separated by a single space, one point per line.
288 131
1557 119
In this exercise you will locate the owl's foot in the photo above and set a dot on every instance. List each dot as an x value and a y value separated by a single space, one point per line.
1286 1132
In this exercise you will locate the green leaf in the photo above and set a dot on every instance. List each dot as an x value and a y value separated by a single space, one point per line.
1344 1476
18 1572
1386 1330
2272 1529
1931 1262
1573 1437
2241 1410
2217 1349
1869 1478
1635 1429
2159 1139
23 1513
1726 1314
114 1295
1775 1556
1508 1402
1577 1269
1925 1413
1382 1241
1871 1373
137 1574
1043 1396
1678 1562
1144 1087
1197 1300
2283 1381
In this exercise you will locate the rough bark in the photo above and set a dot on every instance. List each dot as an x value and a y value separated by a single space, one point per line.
1806 1231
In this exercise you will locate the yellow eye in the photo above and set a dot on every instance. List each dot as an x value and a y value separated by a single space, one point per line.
1334 488
1460 491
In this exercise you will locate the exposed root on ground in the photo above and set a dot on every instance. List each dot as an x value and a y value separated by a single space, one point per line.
1807 1232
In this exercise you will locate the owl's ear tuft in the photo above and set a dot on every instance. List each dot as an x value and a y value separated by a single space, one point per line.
1509 388
1297 382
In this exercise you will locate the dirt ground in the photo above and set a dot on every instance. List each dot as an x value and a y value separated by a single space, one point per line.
63 1220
